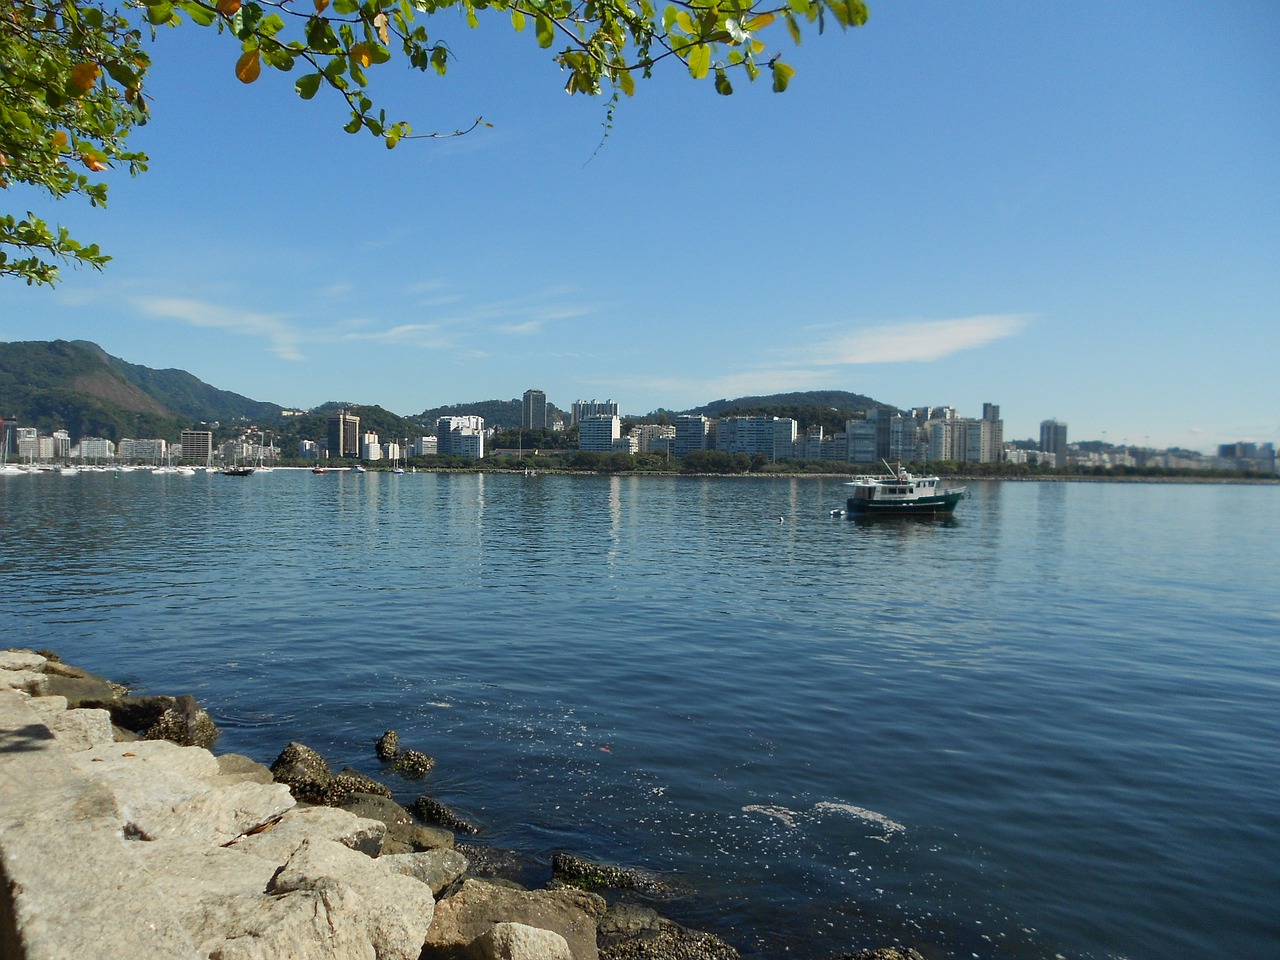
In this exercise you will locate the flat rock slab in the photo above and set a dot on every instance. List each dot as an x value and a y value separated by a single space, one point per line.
75 888
168 792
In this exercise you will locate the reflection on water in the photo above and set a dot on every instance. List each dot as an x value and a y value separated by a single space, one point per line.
1044 725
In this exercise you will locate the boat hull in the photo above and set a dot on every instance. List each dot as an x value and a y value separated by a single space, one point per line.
944 503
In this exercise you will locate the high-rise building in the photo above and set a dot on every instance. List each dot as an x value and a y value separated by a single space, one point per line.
1053 439
692 432
593 408
197 446
991 415
344 435
28 443
598 432
460 437
533 411
774 437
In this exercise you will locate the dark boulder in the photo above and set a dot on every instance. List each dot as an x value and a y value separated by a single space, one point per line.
185 724
303 771
387 746
883 953
350 781
430 810
412 764
574 871
415 838
632 932
178 719
372 806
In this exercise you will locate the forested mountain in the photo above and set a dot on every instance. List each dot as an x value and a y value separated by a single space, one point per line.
77 386
184 394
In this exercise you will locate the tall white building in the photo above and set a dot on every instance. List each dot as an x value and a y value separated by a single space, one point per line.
774 437
96 448
693 431
597 432
653 436
149 451
593 408
28 440
461 436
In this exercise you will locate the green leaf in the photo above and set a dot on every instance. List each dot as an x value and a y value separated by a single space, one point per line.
517 20
546 32
782 75
440 60
699 61
199 14
794 28
345 7
723 87
160 13
308 85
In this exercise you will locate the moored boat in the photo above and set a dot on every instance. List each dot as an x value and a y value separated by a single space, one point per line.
900 493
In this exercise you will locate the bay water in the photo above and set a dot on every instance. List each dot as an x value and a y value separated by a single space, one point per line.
1048 727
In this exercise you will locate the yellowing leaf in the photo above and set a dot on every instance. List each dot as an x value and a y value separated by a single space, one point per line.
380 24
228 8
321 5
361 54
759 22
93 163
59 140
699 61
84 76
249 67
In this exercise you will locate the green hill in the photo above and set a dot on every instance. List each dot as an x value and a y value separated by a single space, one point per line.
827 408
186 395
77 386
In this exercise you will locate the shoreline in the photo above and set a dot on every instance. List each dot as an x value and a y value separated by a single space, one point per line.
221 856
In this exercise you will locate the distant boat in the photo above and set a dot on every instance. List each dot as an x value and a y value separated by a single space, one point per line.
901 494
237 470
319 470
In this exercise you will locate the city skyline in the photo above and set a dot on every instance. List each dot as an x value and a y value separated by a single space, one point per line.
1075 214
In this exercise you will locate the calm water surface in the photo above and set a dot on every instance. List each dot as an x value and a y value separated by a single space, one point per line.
1048 727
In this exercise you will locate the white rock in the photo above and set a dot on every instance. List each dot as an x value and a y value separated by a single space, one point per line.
323 924
46 708
193 874
436 868
81 729
398 909
517 941
163 794
26 681
21 660
282 837
159 758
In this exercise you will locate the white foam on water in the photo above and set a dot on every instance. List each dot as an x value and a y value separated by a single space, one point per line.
890 827
788 817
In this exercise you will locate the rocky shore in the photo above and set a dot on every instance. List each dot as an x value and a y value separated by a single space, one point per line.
123 836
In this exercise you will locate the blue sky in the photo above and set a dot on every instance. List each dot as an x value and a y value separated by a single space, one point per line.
1070 210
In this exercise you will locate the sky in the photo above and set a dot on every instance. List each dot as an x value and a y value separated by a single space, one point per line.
1070 210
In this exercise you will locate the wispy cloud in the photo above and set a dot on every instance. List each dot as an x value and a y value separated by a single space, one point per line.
409 334
915 341
284 337
812 366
